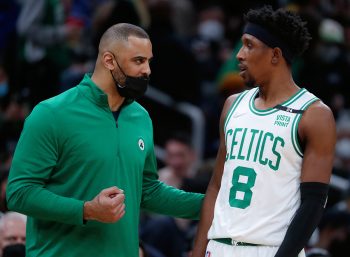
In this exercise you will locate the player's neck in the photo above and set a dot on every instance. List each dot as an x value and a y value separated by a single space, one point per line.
278 90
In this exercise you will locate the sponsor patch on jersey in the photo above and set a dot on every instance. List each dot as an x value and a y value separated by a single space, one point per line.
207 254
282 120
141 144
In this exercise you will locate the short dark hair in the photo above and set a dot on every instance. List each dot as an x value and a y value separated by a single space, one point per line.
121 32
284 24
124 30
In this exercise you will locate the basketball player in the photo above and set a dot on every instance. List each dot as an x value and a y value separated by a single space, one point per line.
270 183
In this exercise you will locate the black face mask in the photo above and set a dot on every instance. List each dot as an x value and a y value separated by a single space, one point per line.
16 250
134 87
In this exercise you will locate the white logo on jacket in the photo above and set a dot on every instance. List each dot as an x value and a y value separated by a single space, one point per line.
141 144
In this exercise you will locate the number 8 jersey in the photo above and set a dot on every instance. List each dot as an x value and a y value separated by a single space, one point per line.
259 191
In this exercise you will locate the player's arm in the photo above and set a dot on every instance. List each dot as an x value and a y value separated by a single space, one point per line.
207 212
318 135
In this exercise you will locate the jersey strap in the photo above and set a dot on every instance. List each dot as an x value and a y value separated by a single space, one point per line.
288 109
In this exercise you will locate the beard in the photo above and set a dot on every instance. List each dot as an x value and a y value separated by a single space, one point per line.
249 81
118 77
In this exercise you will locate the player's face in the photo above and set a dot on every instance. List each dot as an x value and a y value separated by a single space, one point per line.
254 60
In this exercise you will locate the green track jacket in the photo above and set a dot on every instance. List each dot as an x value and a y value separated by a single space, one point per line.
70 149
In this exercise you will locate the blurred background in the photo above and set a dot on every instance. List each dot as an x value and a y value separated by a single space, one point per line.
46 46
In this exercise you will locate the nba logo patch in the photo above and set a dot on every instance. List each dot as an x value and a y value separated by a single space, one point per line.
207 254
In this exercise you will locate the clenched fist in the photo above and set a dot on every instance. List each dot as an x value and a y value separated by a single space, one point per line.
108 206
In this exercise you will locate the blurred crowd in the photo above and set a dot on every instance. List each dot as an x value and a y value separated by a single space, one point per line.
46 46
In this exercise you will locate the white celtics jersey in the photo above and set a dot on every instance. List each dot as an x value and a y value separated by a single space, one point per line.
259 192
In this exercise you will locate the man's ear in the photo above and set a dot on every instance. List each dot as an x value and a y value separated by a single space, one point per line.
276 55
108 60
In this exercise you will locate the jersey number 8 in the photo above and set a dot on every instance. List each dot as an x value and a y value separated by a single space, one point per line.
243 180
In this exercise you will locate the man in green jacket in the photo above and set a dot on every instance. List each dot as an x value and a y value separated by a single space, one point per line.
85 162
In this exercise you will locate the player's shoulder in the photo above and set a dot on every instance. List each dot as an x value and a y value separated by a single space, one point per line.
317 118
232 99
318 110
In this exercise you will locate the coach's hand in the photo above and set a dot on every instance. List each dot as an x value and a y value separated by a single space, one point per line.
108 206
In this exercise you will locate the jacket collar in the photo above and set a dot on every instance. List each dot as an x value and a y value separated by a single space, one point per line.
91 91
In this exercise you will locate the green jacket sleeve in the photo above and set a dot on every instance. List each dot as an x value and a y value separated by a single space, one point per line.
163 199
33 164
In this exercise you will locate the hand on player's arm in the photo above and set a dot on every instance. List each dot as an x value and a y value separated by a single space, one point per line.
108 206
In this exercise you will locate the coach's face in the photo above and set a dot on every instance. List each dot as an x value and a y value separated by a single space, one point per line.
134 57
254 61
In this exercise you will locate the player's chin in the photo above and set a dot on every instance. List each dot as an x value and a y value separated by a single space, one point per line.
250 83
